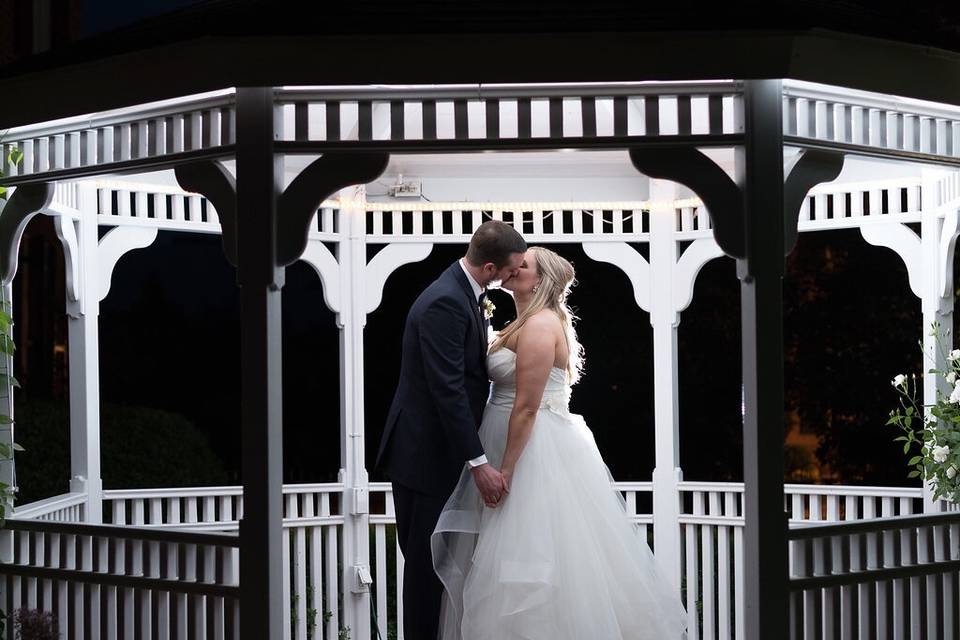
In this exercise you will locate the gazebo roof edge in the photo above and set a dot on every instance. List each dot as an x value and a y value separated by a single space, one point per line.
210 63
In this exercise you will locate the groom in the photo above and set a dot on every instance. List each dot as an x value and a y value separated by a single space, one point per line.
431 430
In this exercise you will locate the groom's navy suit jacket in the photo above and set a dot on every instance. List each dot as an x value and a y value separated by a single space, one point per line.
431 430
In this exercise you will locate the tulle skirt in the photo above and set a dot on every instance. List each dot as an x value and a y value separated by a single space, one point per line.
557 559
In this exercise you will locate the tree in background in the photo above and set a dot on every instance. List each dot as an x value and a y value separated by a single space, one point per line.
850 319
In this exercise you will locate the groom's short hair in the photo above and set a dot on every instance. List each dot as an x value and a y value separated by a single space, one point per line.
495 242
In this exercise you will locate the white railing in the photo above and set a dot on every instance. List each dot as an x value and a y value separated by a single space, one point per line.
122 582
877 578
710 526
871 119
199 508
312 523
193 123
69 507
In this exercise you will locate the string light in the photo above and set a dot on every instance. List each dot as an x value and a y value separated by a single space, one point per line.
519 207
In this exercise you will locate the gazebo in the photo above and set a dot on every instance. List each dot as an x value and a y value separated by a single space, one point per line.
690 159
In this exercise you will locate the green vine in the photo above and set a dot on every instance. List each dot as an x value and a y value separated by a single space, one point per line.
7 381
14 156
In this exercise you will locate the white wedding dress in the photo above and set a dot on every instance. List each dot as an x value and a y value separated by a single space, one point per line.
557 559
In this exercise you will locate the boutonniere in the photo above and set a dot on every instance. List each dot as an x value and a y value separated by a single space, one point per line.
488 308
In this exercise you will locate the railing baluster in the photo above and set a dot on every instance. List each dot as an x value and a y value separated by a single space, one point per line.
842 563
331 575
300 580
939 596
380 574
724 582
692 573
950 593
314 593
708 590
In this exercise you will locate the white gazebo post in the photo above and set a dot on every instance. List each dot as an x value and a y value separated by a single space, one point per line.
353 473
938 233
83 310
665 319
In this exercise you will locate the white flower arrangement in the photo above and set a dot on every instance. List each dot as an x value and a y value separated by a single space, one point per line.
939 438
488 308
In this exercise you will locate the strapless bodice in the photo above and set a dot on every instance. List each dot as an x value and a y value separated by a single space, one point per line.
502 368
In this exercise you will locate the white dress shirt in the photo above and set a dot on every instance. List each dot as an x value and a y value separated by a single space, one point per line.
477 291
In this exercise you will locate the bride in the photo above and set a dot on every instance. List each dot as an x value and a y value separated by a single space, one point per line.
557 558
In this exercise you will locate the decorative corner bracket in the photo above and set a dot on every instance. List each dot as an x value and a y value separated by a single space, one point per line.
723 198
810 168
693 169
212 180
27 201
318 181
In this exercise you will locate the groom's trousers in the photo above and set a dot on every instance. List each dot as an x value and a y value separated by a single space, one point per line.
417 515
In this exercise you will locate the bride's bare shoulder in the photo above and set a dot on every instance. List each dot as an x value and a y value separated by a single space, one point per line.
543 320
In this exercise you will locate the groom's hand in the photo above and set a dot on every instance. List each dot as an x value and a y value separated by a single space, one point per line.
490 484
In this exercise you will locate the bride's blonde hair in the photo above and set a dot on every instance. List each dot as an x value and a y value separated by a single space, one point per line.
556 279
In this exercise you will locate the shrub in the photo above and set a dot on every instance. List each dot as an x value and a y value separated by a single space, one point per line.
141 448
33 624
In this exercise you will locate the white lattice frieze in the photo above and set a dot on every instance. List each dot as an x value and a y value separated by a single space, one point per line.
507 113
826 207
948 190
165 207
463 117
125 136
882 122
555 222
693 219
845 205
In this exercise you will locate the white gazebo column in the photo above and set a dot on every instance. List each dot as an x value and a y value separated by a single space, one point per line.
83 310
938 233
665 320
353 472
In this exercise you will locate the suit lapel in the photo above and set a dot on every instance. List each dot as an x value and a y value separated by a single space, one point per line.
461 279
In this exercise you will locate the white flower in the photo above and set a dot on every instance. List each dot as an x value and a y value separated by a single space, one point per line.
951 472
488 308
952 377
898 380
955 394
954 355
940 454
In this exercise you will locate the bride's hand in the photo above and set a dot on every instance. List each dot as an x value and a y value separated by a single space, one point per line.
507 475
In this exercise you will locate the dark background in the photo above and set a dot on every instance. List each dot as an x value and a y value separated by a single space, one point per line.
169 358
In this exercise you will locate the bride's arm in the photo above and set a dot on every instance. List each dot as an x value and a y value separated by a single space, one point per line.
536 348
